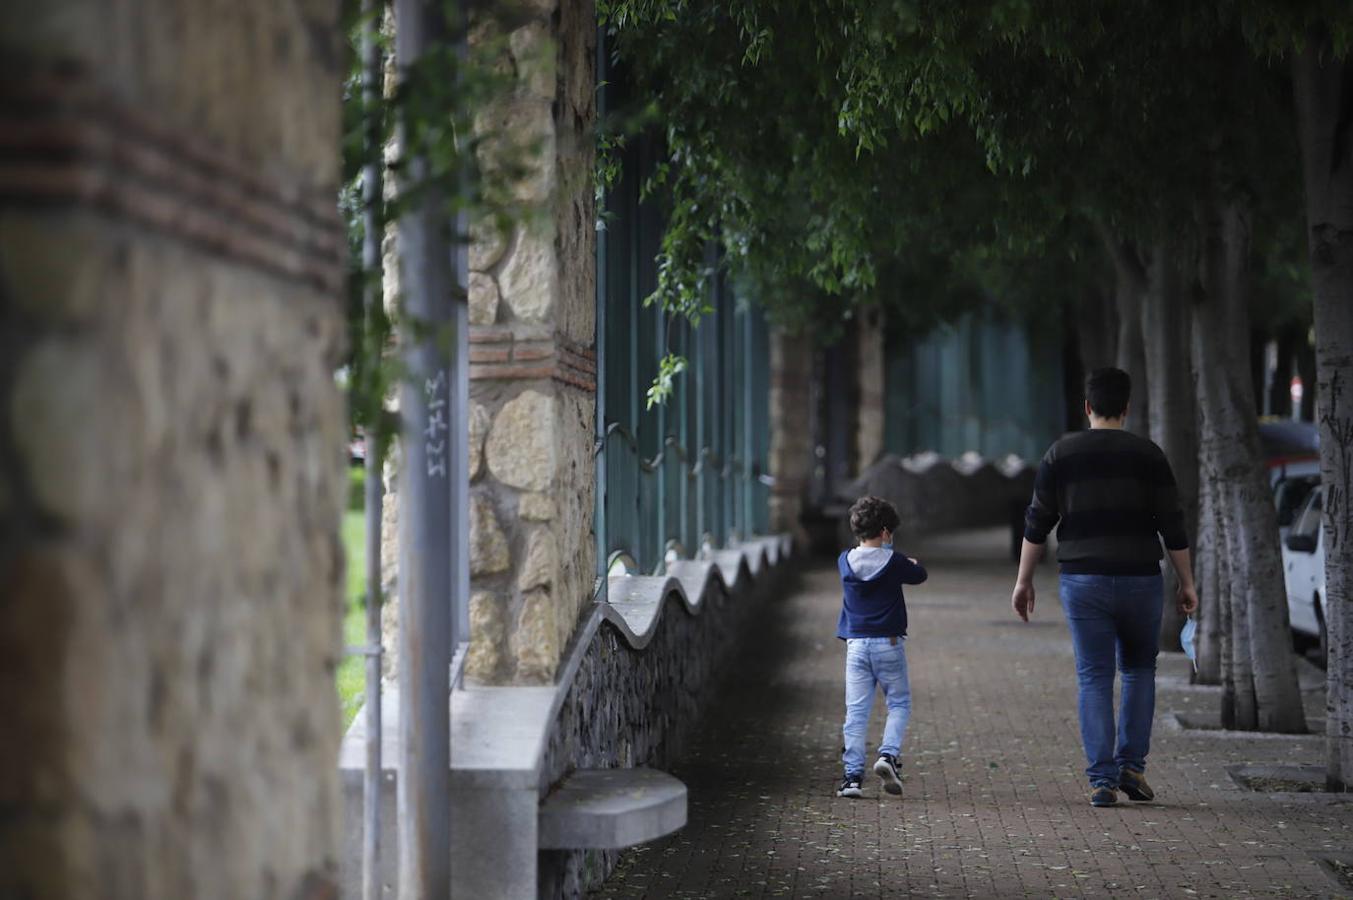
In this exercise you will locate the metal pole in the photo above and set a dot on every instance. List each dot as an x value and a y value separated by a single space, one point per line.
371 259
426 567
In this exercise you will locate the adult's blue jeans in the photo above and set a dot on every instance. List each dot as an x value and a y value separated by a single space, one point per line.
872 663
1114 619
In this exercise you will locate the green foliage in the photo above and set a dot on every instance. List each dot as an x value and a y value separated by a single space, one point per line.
930 156
669 367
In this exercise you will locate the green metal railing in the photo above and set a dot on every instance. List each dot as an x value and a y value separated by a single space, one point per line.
980 384
689 474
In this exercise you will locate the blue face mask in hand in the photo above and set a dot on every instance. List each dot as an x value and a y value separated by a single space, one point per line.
1188 636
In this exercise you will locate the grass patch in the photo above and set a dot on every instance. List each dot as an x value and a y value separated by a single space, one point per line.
354 547
352 670
356 488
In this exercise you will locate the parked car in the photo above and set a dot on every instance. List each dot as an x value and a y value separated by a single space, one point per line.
1304 573
1290 494
1290 449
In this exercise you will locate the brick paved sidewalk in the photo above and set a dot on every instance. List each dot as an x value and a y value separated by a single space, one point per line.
995 803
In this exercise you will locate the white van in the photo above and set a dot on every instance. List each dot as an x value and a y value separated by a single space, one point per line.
1304 572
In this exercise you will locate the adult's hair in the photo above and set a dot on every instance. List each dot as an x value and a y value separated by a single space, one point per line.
870 516
1107 391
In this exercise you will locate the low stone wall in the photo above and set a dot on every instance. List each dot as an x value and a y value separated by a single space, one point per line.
935 494
629 707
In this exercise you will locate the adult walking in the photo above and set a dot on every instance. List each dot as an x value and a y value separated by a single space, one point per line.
1114 495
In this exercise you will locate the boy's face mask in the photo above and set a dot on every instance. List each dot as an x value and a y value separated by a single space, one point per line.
888 540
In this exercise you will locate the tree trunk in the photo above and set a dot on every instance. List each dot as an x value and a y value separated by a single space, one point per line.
1324 94
1130 286
1232 459
1213 641
1097 330
1171 406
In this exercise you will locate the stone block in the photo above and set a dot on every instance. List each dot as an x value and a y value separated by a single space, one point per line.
488 546
521 445
537 639
541 568
486 656
536 507
391 282
535 54
517 147
530 278
488 243
483 299
478 427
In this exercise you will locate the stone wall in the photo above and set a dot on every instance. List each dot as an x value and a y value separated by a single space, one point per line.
533 367
630 707
532 311
171 449
934 494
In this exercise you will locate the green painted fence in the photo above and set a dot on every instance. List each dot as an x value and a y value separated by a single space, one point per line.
983 384
689 474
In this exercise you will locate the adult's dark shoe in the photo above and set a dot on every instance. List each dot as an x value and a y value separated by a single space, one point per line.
1103 796
1134 785
886 768
850 787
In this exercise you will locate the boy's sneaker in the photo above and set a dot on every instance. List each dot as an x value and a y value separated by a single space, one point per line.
886 768
1134 785
1103 796
850 787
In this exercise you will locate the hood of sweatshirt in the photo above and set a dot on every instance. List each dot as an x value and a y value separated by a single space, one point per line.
867 562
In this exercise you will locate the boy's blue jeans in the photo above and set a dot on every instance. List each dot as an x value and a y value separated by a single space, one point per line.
870 663
1114 618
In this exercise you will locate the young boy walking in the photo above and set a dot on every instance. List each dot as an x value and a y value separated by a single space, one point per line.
873 624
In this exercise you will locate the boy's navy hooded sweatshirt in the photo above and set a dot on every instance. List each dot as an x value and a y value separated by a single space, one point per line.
872 579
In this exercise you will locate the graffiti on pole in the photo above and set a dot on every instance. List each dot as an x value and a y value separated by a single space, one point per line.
435 432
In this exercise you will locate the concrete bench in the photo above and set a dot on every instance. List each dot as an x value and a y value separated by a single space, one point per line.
500 737
609 809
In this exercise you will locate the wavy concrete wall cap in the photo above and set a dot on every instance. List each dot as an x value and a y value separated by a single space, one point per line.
921 463
1011 465
637 601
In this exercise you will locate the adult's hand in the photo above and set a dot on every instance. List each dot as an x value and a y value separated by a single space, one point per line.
1022 600
1186 597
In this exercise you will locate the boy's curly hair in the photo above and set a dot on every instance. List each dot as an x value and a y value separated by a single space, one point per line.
870 516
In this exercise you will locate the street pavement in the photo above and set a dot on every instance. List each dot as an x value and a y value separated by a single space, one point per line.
995 803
